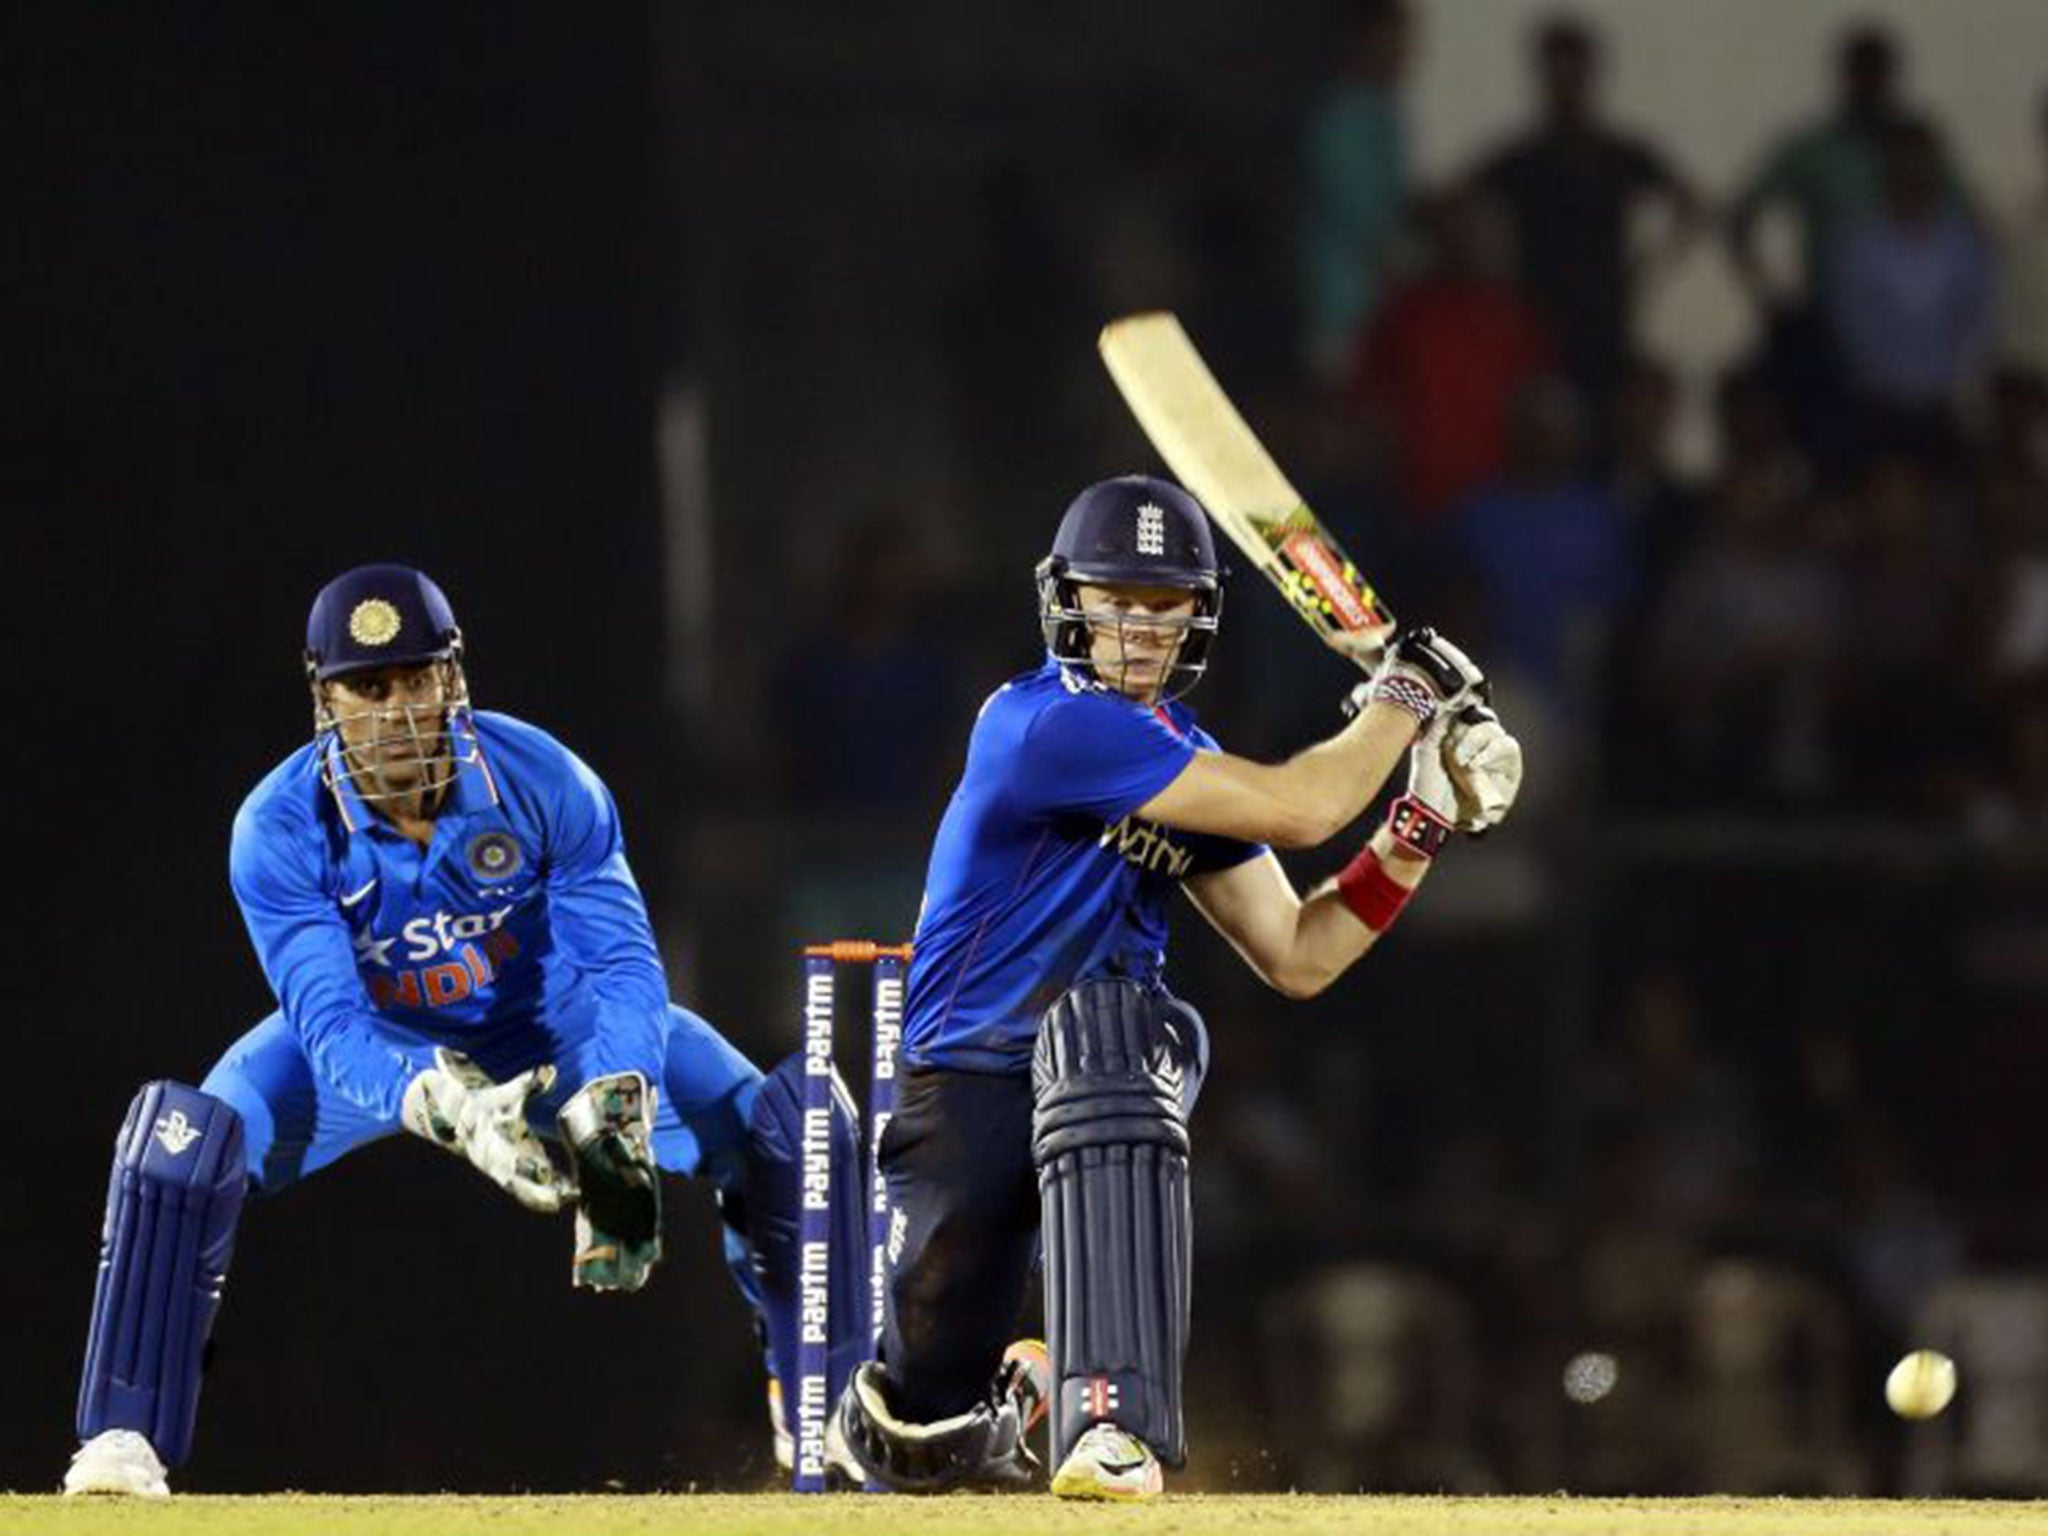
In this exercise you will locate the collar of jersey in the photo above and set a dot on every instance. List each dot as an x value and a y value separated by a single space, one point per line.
475 789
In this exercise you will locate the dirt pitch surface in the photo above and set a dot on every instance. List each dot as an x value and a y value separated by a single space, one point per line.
854 1515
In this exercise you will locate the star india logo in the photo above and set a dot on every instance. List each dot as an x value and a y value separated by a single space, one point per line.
1151 530
177 1133
373 622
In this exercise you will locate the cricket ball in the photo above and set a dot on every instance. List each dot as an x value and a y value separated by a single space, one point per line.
1920 1385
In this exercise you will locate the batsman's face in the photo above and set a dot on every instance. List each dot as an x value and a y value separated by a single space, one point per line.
391 721
1134 634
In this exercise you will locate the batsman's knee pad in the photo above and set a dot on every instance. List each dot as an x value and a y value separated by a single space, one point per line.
777 1189
981 1448
172 1204
1109 1136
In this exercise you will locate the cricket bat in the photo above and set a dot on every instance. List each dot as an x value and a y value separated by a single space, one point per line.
1207 445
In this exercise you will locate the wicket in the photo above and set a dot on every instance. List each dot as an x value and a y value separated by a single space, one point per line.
821 974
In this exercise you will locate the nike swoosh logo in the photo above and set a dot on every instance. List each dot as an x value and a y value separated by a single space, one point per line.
1119 1468
360 892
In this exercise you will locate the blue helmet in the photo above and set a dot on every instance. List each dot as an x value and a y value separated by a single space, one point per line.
1135 530
378 616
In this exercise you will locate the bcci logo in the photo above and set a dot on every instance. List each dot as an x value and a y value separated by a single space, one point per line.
373 621
177 1133
1151 530
494 857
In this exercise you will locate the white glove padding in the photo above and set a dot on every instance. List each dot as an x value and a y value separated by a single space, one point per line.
1485 768
455 1105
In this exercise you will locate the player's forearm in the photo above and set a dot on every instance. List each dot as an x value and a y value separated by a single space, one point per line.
1329 938
1331 783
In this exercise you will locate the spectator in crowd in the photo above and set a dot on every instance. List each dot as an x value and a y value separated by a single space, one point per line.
1909 298
876 678
1356 167
2023 329
1743 650
1827 174
1649 493
1549 551
1447 356
1897 714
1572 188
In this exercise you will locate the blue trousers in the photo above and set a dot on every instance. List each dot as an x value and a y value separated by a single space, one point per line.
294 1125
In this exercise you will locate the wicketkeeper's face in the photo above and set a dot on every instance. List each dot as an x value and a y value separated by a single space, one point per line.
391 721
1134 634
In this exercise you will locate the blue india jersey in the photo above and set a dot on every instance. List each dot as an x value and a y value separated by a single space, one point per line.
521 917
1041 875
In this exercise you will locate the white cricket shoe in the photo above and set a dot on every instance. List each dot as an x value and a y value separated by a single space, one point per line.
1109 1462
117 1461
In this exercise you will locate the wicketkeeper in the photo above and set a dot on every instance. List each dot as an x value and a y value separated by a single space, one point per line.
1050 1072
440 899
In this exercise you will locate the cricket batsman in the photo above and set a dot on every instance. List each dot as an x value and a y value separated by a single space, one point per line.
440 899
1049 1070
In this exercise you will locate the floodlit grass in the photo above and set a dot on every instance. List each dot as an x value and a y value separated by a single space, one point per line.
856 1515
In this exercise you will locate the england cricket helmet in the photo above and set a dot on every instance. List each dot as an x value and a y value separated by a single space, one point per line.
1135 530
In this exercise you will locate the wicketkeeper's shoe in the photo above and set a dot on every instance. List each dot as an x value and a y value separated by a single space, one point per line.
1109 1462
117 1461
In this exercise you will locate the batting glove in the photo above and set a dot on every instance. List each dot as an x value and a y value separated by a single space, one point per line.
1484 763
1423 673
455 1105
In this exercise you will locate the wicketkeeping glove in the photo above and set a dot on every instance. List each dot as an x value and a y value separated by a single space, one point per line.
608 1126
457 1107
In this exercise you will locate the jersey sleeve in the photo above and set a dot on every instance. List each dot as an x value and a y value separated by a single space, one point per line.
308 955
1094 754
599 919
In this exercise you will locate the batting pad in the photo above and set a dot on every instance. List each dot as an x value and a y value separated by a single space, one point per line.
1109 1137
172 1204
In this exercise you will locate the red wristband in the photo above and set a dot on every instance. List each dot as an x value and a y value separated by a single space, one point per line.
1374 896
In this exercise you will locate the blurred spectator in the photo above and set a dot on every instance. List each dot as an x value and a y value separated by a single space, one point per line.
2023 279
1549 549
1446 357
1356 167
1648 492
1899 715
1910 300
2011 606
1572 188
866 701
1827 174
1740 659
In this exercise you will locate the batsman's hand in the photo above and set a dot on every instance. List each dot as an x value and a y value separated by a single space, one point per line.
608 1125
1423 673
1484 765
456 1106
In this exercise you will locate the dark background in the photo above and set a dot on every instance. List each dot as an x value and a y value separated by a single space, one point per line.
729 366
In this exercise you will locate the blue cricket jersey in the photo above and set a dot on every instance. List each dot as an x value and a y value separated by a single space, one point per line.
1041 876
520 916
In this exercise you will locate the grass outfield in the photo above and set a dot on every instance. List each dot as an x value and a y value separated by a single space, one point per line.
1186 1515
